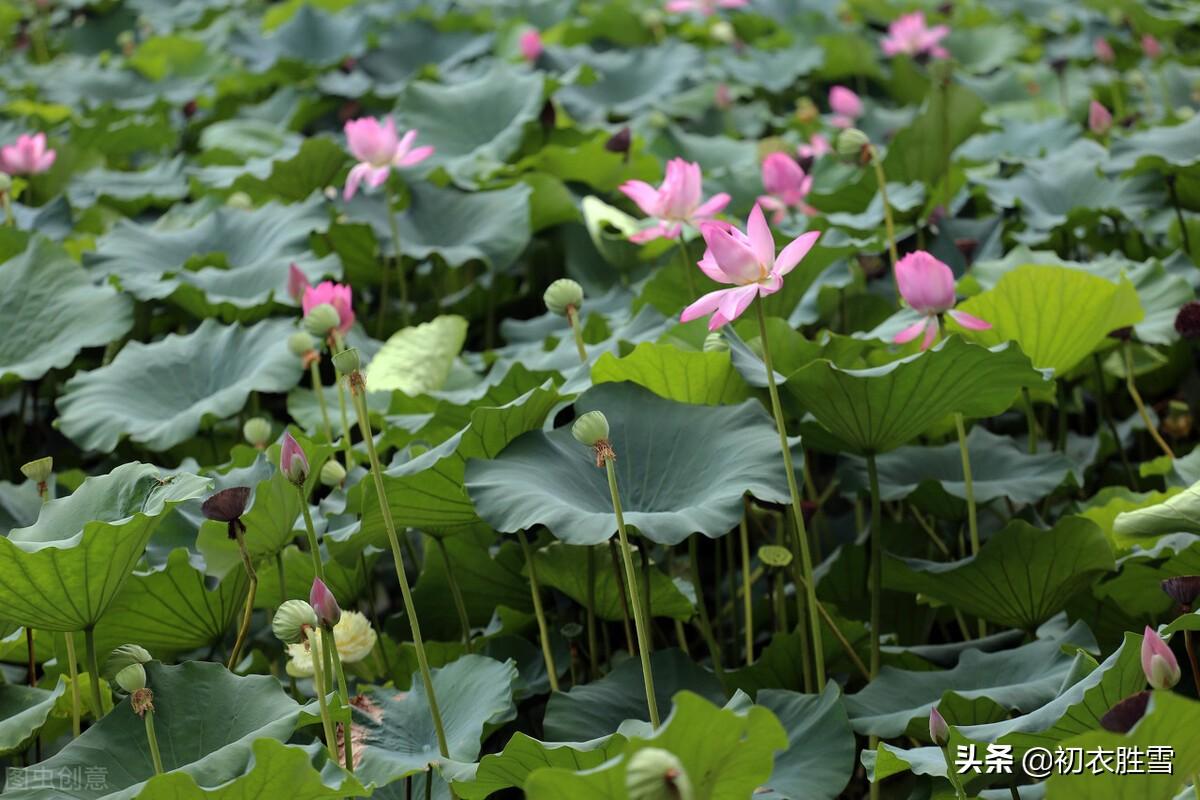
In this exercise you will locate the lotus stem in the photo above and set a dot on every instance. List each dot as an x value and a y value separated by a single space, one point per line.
536 591
32 656
797 511
313 545
639 620
244 628
702 610
747 599
282 577
89 643
73 671
347 447
1030 420
8 212
593 656
969 490
395 230
315 375
577 332
955 780
329 646
1190 647
460 606
1141 406
152 740
616 566
876 546
687 270
888 222
357 393
319 686
1106 414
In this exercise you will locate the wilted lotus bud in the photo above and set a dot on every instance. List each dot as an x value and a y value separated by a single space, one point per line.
292 461
939 731
852 145
301 344
257 431
324 604
548 116
39 469
1158 662
1124 715
619 142
564 293
656 774
347 361
132 678
332 473
1187 321
227 506
715 343
291 620
1183 590
321 319
591 428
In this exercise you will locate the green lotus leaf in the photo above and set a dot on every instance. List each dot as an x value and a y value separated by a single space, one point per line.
773 70
629 82
681 375
309 36
132 192
417 360
878 409
918 152
50 310
403 51
1019 140
248 137
291 173
1021 577
206 719
819 759
702 460
270 519
1058 316
23 712
62 572
523 754
140 395
1178 513
1163 149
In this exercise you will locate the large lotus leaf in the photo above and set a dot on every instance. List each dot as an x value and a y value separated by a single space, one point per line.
231 258
1000 467
680 469
61 573
773 70
878 409
918 153
1019 140
1164 149
1021 577
1024 678
402 52
246 138
524 754
726 754
142 393
819 759
565 567
475 126
1178 513
417 359
206 720
270 521
310 36
687 376
473 692
132 192
291 173
488 572
50 310
630 81
1058 316
23 712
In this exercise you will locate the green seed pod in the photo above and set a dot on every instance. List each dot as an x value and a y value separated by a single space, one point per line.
320 320
132 678
291 619
39 469
590 428
301 344
851 145
240 200
332 473
257 431
656 774
715 343
122 657
347 361
562 293
774 556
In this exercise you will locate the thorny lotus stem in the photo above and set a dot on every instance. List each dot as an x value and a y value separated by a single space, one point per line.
639 619
244 628
73 671
1141 406
329 645
621 595
573 321
536 591
460 606
797 512
335 342
89 642
319 687
152 740
593 656
888 222
357 393
747 598
315 374
969 490
1031 420
395 230
313 545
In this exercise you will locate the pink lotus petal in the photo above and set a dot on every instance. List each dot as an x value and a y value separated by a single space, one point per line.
733 304
642 193
297 283
925 283
711 207
531 45
845 103
969 321
659 231
931 333
761 240
706 305
357 173
292 461
796 250
1099 119
911 332
416 156
733 256
1159 664
708 266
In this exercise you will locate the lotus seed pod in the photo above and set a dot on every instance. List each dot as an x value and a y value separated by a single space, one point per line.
656 774
851 145
715 343
291 619
240 200
939 731
590 428
301 344
347 361
39 469
723 32
321 319
562 293
124 656
257 432
332 473
132 678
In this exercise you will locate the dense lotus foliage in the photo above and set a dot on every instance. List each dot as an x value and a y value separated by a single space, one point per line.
688 400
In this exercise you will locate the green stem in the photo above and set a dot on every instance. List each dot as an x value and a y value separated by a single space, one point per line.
797 511
89 641
573 320
1030 420
593 656
687 270
244 628
1131 384
314 374
876 546
73 671
888 222
702 610
969 490
360 407
395 230
152 740
952 775
616 567
634 594
1106 414
329 645
536 591
313 545
346 443
282 577
1190 648
8 212
464 621
319 686
747 598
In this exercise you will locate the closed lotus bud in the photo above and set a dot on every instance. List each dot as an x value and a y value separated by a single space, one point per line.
291 620
591 428
564 293
292 461
1158 662
257 432
347 361
332 473
939 731
324 603
715 343
301 344
39 469
852 145
619 142
656 774
321 319
132 678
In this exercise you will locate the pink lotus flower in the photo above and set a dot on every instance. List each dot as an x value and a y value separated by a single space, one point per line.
531 45
378 149
786 186
1103 50
746 260
816 147
939 731
908 35
1099 119
704 7
1151 47
292 461
324 603
28 156
337 295
927 285
297 283
674 204
1158 662
846 106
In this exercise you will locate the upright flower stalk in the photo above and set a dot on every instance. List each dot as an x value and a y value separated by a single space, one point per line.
347 363
591 429
294 465
124 667
294 624
328 613
535 590
227 506
565 297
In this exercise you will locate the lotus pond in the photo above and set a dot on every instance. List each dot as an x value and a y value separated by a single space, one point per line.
664 400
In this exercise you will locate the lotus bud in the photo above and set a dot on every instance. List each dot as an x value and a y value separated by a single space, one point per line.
723 32
852 145
1183 590
39 469
563 294
301 344
620 141
321 319
591 428
939 731
132 678
125 656
324 604
332 473
240 201
1158 662
291 620
292 461
257 431
715 343
347 361
656 774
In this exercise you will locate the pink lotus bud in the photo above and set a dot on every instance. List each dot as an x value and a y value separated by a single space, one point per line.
846 106
1099 119
1158 662
1104 51
531 45
292 461
297 283
324 603
939 731
1151 46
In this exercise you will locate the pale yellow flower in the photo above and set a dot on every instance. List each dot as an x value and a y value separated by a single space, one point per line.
353 636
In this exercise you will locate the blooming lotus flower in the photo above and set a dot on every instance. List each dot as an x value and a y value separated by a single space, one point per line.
292 461
786 186
378 149
927 285
675 203
908 35
353 637
28 156
1151 47
337 295
531 45
703 7
1158 662
846 106
1099 119
1103 51
814 148
297 283
746 260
